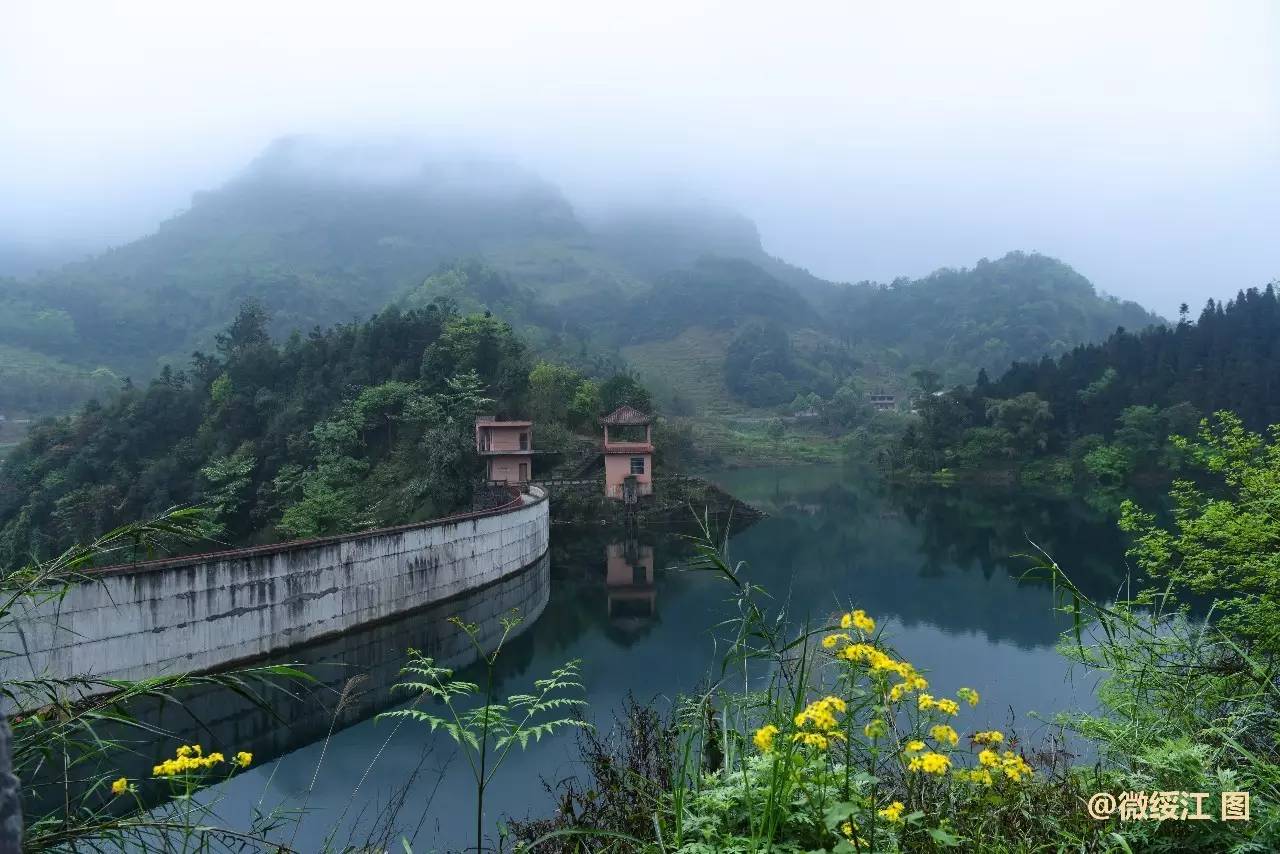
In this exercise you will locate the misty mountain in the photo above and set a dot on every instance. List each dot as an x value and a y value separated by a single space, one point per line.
958 322
319 233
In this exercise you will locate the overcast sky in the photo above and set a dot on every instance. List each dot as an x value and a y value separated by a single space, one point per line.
1140 142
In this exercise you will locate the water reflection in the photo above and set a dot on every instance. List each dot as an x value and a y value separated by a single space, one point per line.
939 568
351 679
633 595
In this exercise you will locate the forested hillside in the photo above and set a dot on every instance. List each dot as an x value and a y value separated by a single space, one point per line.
318 234
1106 410
957 322
362 424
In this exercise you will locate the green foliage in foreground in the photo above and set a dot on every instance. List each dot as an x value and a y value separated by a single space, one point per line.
486 730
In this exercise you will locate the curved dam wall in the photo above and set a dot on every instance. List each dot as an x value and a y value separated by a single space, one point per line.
203 612
352 674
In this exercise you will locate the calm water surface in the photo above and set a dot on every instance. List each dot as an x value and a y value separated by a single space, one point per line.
937 567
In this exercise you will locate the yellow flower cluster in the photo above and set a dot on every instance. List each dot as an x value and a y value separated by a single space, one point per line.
1010 764
850 833
915 746
901 689
879 662
893 812
948 707
119 787
822 713
930 763
969 695
243 758
186 759
943 733
858 620
764 738
989 737
816 739
975 775
1014 766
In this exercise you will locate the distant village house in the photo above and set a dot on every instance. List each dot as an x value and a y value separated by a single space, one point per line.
883 402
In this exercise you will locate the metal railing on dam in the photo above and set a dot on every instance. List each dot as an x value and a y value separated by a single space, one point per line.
204 612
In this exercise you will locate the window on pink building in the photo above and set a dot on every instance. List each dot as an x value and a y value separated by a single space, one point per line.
637 465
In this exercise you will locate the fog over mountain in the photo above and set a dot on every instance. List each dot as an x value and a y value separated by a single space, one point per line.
1138 143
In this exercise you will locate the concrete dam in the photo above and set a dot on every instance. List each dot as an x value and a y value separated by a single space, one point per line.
204 612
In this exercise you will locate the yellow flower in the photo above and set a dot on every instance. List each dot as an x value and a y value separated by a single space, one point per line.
915 746
186 759
976 775
930 763
119 787
863 623
988 758
942 733
925 702
1014 766
875 728
989 737
830 641
812 739
846 621
821 713
947 707
763 738
850 833
893 812
897 691
243 758
969 695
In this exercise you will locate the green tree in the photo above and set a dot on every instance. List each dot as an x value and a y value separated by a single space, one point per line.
228 481
1228 545
485 346
587 405
624 389
928 381
1026 418
552 390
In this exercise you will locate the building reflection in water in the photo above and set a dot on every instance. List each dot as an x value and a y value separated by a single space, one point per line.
629 578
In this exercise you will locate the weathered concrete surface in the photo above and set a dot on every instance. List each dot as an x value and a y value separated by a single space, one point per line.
202 612
285 715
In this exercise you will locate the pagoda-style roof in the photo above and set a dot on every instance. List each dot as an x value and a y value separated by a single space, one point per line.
626 416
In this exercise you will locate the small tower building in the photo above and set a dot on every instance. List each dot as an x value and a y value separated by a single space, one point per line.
628 454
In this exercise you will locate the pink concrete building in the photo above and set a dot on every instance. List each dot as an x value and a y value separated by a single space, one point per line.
506 448
628 454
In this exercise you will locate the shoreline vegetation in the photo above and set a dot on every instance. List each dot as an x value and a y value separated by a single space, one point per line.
802 738
818 737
